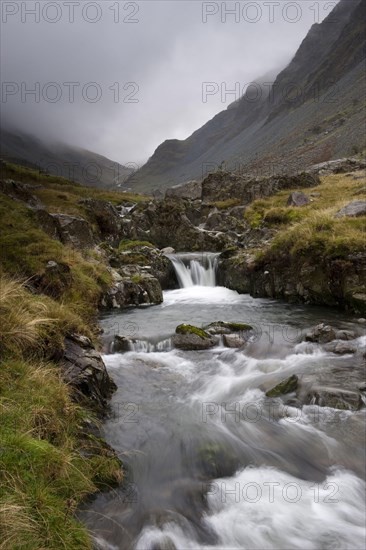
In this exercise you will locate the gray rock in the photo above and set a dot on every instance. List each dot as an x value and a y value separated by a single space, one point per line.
336 398
353 210
144 290
234 341
83 368
321 333
288 385
20 192
298 199
191 190
104 215
340 348
189 337
168 250
75 231
345 335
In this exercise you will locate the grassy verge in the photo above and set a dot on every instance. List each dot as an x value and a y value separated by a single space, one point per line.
49 460
312 231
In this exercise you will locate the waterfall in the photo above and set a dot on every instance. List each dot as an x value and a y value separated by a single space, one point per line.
195 269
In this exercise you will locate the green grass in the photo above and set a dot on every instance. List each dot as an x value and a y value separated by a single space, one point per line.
126 245
48 461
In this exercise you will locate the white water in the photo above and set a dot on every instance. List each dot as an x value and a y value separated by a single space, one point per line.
297 479
191 271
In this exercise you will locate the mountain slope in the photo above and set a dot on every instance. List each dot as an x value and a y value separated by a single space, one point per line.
314 113
73 163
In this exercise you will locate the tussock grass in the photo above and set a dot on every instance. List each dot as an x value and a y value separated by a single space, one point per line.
313 231
48 461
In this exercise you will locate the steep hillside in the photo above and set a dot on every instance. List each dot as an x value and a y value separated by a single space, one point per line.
76 164
313 113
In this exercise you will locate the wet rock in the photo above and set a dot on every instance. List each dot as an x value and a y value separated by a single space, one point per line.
321 334
217 460
83 368
224 327
121 344
298 199
345 335
362 321
75 231
189 337
340 348
167 250
142 290
286 386
165 543
352 210
234 341
336 398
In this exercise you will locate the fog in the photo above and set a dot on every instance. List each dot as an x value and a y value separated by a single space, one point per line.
119 78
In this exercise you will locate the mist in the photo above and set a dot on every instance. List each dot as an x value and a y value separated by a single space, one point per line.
119 78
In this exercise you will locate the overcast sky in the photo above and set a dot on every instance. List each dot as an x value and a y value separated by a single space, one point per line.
161 52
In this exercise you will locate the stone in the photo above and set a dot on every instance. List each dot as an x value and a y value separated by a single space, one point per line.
189 337
224 327
75 231
298 199
352 210
48 223
288 385
83 368
345 335
20 192
321 334
340 348
191 190
105 215
132 292
233 341
336 398
167 250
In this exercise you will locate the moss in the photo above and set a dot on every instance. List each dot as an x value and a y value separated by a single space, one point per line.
190 329
234 327
127 245
138 279
286 386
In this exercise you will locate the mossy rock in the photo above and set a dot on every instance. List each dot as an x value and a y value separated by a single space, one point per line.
286 386
223 327
217 460
191 338
191 329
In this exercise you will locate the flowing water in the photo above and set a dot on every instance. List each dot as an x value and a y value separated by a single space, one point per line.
211 462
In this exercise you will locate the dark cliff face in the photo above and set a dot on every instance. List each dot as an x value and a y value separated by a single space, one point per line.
325 77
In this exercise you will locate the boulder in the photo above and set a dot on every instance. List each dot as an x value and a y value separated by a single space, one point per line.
75 231
233 341
191 190
135 291
340 348
48 223
288 385
352 210
336 398
104 215
83 368
298 199
189 337
20 192
224 327
345 335
321 334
